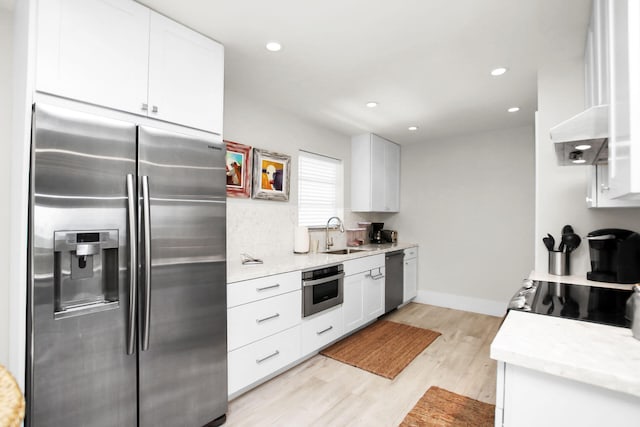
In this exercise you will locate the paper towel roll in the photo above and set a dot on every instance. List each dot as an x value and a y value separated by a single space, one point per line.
301 240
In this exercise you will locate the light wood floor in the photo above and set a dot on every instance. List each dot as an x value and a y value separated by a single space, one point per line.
324 392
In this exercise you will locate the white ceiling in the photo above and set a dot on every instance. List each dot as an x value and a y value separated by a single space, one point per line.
426 62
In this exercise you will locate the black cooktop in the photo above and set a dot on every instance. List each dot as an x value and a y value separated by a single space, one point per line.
588 303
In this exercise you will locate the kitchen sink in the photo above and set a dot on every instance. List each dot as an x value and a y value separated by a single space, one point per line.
346 251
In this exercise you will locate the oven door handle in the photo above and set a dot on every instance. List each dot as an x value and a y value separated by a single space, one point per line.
306 283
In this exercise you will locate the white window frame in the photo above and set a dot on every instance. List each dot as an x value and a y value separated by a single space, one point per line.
317 219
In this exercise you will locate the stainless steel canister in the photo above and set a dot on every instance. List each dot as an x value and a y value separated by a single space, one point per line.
559 263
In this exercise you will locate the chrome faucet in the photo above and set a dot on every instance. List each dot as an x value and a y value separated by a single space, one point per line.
328 240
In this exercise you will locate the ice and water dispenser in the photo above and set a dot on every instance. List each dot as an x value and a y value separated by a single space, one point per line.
85 271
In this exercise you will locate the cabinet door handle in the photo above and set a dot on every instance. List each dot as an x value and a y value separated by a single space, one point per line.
268 318
324 330
144 107
154 109
604 187
277 285
376 276
274 354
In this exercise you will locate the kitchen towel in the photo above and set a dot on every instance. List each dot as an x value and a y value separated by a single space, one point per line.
301 240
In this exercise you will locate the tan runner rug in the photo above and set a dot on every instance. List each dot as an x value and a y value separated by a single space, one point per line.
384 348
440 407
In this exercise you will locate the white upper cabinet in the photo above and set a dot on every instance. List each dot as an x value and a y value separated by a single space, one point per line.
121 55
596 56
375 174
598 190
95 51
624 127
391 178
186 76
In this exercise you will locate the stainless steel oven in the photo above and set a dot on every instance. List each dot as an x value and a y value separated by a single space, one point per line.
322 288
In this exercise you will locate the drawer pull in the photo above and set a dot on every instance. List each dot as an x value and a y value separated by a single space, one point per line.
377 276
274 354
277 285
324 330
268 318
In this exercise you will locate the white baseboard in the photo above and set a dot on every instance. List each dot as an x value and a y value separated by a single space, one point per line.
457 302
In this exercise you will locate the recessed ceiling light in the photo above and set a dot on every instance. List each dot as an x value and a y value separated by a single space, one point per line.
274 46
583 147
498 71
579 161
513 109
371 104
412 128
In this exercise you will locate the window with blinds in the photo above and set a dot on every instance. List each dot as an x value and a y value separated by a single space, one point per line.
319 189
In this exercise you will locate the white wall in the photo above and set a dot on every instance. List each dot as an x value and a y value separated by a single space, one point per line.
468 201
561 190
6 64
265 228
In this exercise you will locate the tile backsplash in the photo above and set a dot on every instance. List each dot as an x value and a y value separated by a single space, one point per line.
266 228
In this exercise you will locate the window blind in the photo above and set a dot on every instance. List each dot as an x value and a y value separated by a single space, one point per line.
319 189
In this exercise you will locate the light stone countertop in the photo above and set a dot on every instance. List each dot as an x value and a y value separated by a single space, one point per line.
601 355
237 272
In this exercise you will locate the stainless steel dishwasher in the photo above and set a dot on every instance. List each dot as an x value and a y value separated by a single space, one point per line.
393 283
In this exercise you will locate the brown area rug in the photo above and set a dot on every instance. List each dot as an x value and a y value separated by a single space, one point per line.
440 407
384 348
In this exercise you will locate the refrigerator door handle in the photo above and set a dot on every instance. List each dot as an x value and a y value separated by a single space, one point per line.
146 220
133 264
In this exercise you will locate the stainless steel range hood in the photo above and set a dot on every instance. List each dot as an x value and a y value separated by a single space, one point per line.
588 128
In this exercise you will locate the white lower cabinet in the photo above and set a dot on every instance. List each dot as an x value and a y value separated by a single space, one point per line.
363 291
529 398
251 322
266 331
410 273
322 329
373 294
352 305
263 287
260 359
263 327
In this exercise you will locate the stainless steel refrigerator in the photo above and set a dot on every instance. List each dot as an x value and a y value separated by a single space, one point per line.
127 274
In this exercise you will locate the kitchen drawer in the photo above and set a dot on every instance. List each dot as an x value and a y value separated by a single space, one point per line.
250 322
410 253
358 265
322 329
257 360
264 287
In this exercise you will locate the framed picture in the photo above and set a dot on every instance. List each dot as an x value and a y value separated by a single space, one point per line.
271 172
238 169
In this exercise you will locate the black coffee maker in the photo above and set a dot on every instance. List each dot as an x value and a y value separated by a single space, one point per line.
615 256
376 232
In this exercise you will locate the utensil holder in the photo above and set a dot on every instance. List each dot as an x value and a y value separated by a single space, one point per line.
559 263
